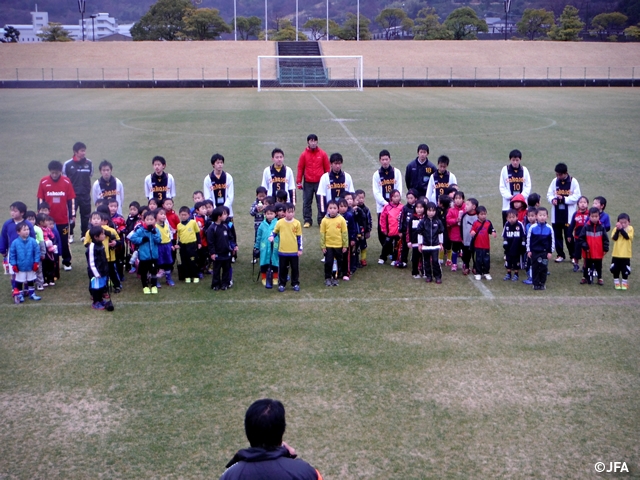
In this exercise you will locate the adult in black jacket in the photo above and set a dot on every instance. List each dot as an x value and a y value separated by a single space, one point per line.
79 170
269 458
419 171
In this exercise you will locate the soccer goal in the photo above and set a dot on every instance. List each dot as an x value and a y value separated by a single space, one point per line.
310 72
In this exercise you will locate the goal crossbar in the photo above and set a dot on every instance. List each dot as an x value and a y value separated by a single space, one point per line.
306 72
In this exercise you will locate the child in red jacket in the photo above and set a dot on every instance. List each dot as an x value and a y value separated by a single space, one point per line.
390 227
595 243
480 232
454 217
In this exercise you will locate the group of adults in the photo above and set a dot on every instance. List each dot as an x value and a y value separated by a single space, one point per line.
69 186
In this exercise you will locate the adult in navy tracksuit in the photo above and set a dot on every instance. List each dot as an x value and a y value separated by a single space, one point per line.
269 458
419 171
79 170
540 246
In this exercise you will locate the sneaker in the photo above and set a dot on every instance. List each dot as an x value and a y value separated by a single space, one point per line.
231 283
401 265
40 287
67 267
224 287
21 298
507 277
601 282
196 280
133 270
45 284
334 282
345 278
52 284
438 280
363 263
528 281
617 285
466 271
215 289
281 288
70 238
449 263
35 297
454 267
146 290
97 306
536 287
624 286
170 282
233 259
417 276
394 263
296 288
478 277
154 290
428 279
117 290
254 260
187 280
514 277
583 281
488 277
559 259
380 261
576 267
307 224
327 282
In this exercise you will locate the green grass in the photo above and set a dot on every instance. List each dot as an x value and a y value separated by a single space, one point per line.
444 381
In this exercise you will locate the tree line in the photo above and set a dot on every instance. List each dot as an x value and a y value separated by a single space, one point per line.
172 20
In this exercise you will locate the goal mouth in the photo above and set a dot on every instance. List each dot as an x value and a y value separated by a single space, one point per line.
318 72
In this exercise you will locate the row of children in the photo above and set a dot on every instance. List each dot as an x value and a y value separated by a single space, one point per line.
461 229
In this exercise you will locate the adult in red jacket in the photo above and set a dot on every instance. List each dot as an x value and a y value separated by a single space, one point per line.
312 164
269 458
58 192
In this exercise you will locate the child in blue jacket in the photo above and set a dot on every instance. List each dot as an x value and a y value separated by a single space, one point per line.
24 257
147 238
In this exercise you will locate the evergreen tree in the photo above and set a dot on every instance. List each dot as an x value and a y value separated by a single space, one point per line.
569 27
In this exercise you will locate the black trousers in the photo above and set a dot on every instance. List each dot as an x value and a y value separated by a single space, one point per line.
332 253
431 264
620 267
63 230
148 267
561 230
309 191
592 264
83 203
221 275
539 268
287 261
188 257
483 261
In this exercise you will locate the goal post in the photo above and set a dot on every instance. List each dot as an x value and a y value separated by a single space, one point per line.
319 72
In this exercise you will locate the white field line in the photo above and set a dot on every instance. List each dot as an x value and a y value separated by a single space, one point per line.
348 132
480 286
290 297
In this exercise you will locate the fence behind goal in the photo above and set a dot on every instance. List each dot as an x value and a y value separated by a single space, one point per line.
310 72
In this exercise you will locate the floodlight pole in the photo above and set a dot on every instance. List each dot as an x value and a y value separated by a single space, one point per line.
358 22
235 23
81 6
296 20
507 7
93 26
327 20
266 24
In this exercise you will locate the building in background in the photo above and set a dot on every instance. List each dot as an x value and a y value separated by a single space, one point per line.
102 26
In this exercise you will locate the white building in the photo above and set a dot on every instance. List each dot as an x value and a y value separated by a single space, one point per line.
101 25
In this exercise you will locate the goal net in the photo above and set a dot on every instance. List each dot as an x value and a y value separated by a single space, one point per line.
318 72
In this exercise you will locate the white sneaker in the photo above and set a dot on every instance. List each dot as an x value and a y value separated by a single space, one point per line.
67 268
478 277
417 276
487 276
393 264
39 287
322 259
70 238
380 261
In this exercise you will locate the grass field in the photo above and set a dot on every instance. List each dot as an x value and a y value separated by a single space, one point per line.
385 376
